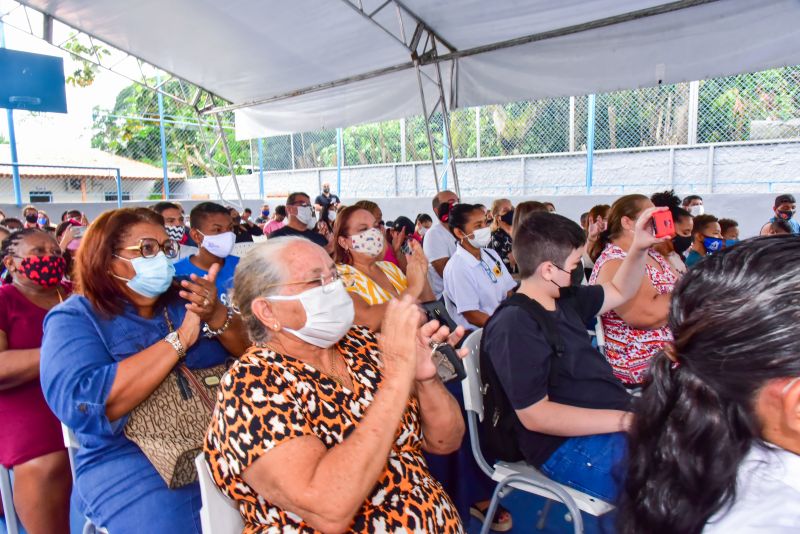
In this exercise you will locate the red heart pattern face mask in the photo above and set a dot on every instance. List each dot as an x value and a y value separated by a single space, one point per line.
47 271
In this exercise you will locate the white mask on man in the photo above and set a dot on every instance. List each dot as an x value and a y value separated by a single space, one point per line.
305 214
697 210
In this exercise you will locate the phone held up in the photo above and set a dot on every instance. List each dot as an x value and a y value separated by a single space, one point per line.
663 224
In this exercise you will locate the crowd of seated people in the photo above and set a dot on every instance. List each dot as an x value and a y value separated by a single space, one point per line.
330 413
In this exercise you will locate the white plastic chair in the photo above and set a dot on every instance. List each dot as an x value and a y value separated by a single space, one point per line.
12 523
219 514
72 444
241 249
516 475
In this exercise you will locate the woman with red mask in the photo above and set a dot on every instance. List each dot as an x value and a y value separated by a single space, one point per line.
31 442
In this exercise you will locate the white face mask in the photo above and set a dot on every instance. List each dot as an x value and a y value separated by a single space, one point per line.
331 216
422 231
329 314
697 210
481 237
305 214
219 245
369 242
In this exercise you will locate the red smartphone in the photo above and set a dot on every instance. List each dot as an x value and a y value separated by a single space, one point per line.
663 225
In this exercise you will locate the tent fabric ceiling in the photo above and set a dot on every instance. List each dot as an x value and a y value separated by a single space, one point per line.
251 50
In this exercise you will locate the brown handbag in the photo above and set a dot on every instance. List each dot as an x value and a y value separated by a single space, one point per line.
169 426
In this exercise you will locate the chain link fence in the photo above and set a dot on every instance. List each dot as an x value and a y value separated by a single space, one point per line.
748 107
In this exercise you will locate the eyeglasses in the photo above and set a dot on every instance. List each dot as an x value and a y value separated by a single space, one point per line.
326 282
149 248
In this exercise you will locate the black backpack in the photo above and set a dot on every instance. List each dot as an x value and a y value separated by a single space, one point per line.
499 418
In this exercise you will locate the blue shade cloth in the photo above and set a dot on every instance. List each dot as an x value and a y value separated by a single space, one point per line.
224 280
591 464
117 487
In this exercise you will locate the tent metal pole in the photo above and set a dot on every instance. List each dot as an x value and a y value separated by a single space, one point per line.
427 125
227 150
449 153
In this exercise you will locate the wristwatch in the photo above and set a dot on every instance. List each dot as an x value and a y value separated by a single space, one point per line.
174 339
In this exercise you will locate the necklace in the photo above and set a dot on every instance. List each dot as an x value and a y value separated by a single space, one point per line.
334 374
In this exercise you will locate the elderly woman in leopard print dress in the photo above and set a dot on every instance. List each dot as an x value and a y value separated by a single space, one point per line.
320 426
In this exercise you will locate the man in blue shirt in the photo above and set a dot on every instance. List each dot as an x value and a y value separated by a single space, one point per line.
212 229
785 207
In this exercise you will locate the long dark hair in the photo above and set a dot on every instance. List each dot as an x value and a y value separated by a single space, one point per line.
734 317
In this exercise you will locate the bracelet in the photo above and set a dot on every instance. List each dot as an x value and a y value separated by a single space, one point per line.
209 333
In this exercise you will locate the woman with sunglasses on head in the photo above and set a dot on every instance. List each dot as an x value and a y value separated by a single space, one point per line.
358 247
715 440
30 441
106 350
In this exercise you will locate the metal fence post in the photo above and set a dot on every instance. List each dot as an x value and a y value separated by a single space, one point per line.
339 156
572 124
119 187
590 108
477 132
261 168
163 139
291 149
403 140
12 139
694 105
445 158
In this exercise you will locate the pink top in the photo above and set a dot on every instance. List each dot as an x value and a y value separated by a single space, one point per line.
629 350
388 255
29 427
273 225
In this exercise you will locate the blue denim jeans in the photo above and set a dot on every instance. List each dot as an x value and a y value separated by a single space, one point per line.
591 464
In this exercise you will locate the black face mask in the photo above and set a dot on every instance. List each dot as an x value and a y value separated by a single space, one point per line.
32 217
444 211
681 243
508 218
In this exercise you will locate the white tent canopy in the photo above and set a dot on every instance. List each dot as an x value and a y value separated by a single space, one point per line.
310 64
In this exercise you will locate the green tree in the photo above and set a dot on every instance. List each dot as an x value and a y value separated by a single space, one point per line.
131 129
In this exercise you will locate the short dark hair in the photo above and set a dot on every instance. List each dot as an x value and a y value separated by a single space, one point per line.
784 199
293 197
689 198
459 215
701 221
247 210
727 224
423 218
667 199
280 209
544 236
203 210
161 207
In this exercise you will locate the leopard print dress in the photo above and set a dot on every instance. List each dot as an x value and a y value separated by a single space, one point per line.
266 399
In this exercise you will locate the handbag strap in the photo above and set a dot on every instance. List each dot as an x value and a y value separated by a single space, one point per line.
194 383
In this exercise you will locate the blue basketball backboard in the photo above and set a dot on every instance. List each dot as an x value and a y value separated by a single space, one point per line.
34 82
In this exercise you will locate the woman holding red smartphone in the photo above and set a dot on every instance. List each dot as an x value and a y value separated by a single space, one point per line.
636 331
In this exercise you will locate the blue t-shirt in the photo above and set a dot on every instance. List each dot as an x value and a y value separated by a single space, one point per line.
693 257
81 351
224 277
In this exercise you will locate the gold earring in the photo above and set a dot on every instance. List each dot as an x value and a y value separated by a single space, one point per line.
276 326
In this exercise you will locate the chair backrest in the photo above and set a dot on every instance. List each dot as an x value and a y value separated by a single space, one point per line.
72 445
241 249
219 514
601 337
7 497
471 385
